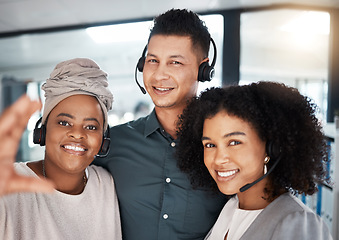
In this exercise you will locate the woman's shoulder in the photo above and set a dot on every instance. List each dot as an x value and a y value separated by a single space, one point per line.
288 216
303 222
99 173
23 169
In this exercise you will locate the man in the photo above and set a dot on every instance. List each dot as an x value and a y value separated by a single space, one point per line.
156 198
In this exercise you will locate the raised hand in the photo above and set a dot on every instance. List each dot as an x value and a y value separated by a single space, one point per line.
13 122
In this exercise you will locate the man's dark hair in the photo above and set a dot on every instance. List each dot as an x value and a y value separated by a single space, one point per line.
182 22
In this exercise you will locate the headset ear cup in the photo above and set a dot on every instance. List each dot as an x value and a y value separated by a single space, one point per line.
141 63
104 147
201 72
43 135
273 150
106 141
39 134
210 73
206 72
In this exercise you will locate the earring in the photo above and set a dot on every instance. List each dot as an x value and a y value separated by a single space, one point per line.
266 160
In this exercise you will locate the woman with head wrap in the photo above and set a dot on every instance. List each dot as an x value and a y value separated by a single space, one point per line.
73 129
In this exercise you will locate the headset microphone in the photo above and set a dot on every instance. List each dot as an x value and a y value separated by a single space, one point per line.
136 80
247 186
273 150
140 67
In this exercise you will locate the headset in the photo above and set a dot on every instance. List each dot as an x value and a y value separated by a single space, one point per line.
39 137
273 150
205 73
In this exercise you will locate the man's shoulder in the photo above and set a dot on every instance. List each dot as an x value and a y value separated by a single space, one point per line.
129 130
134 124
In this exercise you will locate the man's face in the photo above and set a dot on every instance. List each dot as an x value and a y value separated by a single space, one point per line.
170 71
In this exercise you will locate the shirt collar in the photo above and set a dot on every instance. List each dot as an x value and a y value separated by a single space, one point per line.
152 124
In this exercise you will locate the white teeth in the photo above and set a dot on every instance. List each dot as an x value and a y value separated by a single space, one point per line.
162 89
227 174
74 148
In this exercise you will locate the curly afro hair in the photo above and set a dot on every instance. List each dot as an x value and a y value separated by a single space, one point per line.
279 114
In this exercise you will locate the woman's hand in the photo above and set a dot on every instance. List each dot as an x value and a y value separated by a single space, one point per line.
13 122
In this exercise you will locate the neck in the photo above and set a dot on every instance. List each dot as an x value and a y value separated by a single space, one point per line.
168 118
254 198
67 183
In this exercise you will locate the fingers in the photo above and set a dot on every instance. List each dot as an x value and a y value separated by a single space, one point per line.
29 184
11 182
18 114
13 122
6 170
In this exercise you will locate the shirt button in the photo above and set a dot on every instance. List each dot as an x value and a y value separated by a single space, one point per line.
173 144
168 180
165 216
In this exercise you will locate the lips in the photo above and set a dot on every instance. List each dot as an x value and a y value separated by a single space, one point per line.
162 90
76 149
226 175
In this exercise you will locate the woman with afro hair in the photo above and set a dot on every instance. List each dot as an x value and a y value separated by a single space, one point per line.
261 144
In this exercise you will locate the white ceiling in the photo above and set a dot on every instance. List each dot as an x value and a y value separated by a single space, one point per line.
22 15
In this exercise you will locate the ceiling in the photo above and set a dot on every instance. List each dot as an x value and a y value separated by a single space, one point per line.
23 15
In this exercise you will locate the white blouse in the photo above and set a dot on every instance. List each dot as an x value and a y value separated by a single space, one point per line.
233 220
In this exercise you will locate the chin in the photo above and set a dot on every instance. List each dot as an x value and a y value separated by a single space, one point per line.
228 191
164 105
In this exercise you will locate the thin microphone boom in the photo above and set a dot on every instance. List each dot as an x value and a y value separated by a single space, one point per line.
247 186
136 80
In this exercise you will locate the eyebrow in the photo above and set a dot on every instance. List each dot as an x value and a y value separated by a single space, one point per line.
177 56
226 135
172 56
72 117
92 119
65 115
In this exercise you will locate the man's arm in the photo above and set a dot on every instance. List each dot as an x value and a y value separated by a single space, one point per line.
13 122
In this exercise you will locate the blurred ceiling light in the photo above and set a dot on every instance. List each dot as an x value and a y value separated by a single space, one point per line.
138 31
310 22
120 32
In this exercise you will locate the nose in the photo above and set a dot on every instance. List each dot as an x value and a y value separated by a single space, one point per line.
77 133
221 156
161 72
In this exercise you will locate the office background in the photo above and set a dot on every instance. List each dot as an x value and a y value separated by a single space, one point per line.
294 42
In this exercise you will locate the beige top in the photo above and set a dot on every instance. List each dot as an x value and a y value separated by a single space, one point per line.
93 214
